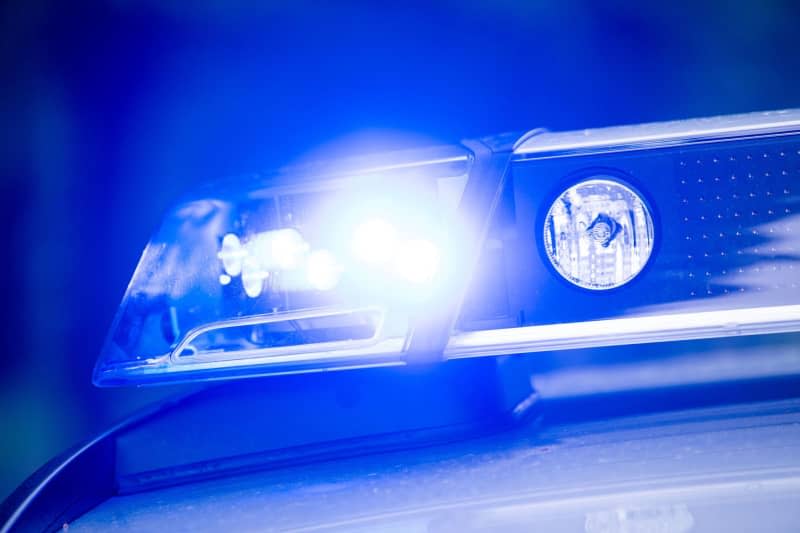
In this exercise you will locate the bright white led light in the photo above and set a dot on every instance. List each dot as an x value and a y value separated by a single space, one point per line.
287 248
231 254
598 234
323 270
275 250
374 242
271 251
417 260
253 277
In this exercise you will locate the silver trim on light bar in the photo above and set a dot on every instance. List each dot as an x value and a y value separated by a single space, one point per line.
619 138
278 353
623 331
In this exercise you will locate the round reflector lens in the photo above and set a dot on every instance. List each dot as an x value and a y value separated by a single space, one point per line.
598 234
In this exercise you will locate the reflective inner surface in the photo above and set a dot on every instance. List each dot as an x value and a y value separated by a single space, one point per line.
598 234
327 261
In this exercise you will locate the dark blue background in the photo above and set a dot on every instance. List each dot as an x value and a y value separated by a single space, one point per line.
112 109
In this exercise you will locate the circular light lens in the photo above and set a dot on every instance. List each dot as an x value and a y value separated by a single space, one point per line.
598 234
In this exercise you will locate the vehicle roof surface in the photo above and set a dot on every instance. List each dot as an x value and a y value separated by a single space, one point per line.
727 468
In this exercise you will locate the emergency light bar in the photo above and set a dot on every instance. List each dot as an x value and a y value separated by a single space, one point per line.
504 245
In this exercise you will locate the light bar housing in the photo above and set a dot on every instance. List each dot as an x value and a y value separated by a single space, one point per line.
437 254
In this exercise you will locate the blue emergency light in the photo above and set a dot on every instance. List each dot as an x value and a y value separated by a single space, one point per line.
499 246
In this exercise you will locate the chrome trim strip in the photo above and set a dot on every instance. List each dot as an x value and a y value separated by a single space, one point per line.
623 331
656 134
290 353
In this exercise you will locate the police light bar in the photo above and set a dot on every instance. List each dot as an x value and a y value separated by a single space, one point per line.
504 245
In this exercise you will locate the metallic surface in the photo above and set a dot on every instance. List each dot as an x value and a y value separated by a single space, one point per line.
625 331
658 134
730 467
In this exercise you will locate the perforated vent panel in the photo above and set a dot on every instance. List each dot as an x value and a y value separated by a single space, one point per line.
739 222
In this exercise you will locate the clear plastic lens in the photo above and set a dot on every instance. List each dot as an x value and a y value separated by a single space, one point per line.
323 267
598 234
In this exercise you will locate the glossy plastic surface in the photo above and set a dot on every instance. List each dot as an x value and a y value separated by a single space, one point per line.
327 262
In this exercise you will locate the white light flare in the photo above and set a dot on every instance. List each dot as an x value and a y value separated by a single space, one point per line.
253 277
323 270
277 250
374 242
417 261
231 254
